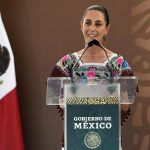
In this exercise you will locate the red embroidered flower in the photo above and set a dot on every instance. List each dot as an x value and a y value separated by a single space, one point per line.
119 60
91 73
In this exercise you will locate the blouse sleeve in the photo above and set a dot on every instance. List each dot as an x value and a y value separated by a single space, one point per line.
62 69
122 68
126 71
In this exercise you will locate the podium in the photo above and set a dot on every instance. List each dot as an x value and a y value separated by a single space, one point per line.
92 109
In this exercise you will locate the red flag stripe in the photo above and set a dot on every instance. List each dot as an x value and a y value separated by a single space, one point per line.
10 125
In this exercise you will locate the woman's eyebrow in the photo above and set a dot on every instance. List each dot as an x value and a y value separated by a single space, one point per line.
87 19
98 21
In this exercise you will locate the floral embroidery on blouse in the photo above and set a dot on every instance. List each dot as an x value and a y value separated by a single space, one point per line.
91 72
74 68
119 60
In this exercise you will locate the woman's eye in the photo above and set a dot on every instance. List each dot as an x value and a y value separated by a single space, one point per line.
98 24
87 23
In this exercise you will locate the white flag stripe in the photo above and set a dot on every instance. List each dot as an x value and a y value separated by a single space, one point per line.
8 79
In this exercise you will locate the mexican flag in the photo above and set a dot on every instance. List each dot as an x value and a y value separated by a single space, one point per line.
10 125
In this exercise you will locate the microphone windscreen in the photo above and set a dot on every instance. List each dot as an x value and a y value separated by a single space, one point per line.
93 42
96 42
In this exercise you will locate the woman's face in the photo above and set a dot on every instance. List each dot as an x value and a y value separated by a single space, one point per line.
93 26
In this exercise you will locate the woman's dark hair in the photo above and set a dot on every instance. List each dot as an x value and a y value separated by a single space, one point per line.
100 8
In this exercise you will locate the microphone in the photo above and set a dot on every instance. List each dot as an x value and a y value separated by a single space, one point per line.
93 42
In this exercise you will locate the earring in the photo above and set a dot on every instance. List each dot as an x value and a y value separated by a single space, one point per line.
105 37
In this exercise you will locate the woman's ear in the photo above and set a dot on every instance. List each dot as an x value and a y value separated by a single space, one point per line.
81 25
107 29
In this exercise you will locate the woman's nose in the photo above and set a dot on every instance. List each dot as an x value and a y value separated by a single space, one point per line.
92 28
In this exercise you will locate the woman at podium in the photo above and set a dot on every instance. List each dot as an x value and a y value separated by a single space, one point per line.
94 60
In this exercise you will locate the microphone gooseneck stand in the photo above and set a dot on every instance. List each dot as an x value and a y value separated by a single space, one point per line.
91 43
